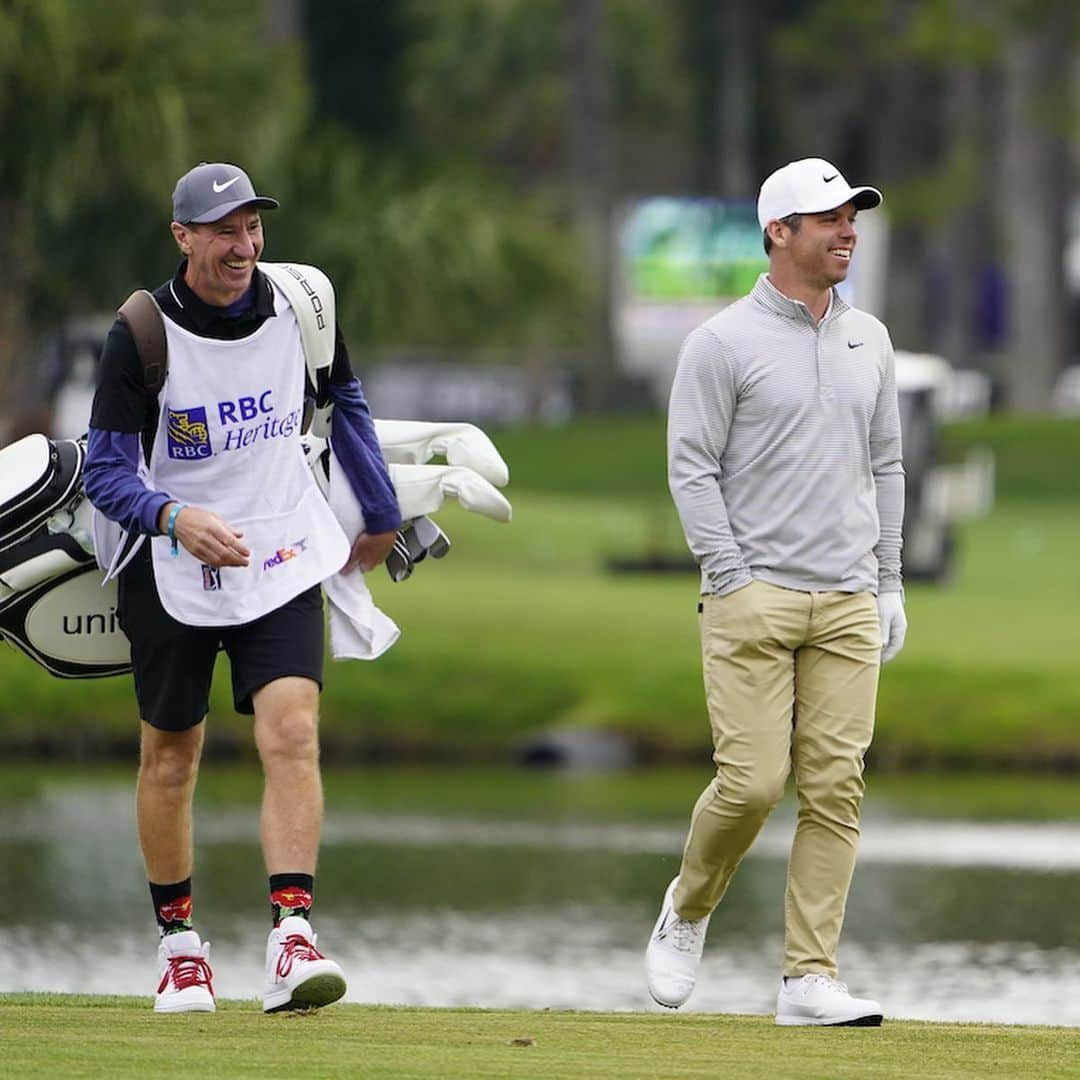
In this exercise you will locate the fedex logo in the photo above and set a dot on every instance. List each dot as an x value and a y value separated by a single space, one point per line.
283 555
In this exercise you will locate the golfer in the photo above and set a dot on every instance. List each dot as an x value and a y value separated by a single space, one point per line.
784 462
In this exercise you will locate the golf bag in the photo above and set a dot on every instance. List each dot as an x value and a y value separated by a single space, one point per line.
53 606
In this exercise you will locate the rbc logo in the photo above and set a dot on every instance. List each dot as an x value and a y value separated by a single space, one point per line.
187 434
244 408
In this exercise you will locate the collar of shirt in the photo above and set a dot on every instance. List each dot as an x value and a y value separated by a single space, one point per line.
769 296
205 318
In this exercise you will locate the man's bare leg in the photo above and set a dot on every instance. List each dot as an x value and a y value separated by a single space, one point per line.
286 733
298 976
168 769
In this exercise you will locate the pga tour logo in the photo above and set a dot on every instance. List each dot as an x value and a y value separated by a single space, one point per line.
283 555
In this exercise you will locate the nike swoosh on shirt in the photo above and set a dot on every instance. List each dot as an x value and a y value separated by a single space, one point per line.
855 344
830 179
219 188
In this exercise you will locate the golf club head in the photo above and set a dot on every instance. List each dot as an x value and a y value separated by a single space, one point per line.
433 539
399 563
415 540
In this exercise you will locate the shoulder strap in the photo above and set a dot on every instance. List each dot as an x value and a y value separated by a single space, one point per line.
144 320
311 296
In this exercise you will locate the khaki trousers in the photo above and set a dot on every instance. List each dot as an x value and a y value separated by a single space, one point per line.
791 680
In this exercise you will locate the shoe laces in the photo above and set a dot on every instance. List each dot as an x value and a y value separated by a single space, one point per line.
295 948
186 971
819 978
686 935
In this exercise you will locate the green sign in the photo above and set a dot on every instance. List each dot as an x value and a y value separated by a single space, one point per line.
691 249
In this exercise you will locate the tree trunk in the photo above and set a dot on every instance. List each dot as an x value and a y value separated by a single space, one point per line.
1034 184
734 165
963 246
900 157
592 174
283 20
720 45
12 312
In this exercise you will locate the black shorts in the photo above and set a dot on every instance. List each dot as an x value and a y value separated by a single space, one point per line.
173 663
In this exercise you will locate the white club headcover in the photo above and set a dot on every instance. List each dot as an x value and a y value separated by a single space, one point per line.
414 442
421 490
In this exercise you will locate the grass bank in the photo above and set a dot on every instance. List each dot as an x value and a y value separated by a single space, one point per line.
52 1035
523 626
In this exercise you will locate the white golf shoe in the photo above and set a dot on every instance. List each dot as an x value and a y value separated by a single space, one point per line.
818 1000
187 983
673 954
298 976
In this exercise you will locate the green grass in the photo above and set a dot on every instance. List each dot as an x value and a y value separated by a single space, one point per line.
1036 457
74 1037
522 627
606 457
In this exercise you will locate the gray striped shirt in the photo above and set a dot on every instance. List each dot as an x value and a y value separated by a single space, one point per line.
784 455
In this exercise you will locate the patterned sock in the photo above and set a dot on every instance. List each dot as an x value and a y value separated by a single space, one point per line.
290 894
172 906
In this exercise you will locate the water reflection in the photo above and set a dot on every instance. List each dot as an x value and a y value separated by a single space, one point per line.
947 920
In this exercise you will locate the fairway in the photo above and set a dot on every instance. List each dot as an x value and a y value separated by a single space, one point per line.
523 627
54 1036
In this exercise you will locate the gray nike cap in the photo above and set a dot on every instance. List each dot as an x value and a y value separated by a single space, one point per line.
213 189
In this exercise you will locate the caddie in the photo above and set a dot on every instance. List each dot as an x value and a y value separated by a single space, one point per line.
211 469
784 463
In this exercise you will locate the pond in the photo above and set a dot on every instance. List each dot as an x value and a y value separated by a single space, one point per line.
513 889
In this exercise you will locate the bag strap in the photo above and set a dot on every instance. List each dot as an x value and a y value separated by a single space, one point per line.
311 297
144 320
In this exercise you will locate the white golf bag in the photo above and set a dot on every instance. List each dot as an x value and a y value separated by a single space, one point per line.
52 605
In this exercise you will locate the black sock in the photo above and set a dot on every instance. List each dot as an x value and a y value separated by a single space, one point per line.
172 906
290 894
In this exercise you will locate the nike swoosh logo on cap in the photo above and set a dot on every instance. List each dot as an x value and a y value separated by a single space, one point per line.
219 188
827 179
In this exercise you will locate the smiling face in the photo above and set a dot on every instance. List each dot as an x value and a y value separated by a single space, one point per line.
221 255
818 254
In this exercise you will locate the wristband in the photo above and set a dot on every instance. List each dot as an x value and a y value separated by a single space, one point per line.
170 527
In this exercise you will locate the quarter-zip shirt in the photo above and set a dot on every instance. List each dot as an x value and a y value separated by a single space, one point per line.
784 452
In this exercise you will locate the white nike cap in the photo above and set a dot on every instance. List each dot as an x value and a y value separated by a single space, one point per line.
211 190
809 186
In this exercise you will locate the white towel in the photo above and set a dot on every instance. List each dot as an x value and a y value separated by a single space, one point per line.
358 629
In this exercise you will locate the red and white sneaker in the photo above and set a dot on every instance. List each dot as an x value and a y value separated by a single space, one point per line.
298 976
187 983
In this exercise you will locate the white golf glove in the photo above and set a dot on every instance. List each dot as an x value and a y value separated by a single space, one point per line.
893 624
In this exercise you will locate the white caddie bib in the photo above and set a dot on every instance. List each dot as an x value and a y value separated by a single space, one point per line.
228 439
